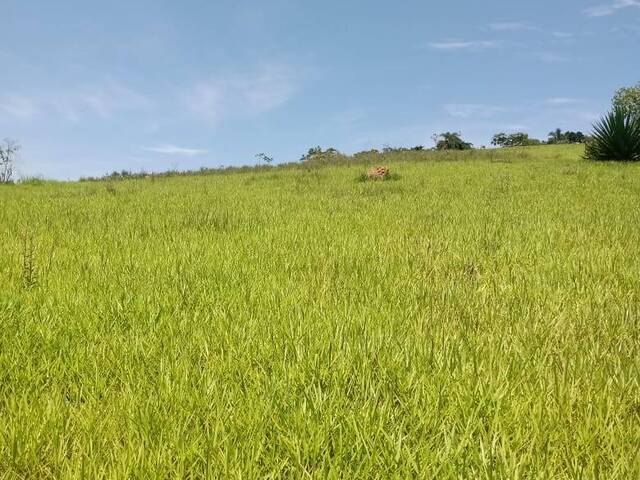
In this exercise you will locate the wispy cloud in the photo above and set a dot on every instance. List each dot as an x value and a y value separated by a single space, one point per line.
351 117
610 8
176 151
250 94
626 31
562 101
463 45
510 26
18 107
103 100
469 110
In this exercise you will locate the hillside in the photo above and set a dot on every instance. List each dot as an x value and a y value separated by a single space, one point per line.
478 315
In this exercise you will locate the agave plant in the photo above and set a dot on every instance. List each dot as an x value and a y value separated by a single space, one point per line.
615 137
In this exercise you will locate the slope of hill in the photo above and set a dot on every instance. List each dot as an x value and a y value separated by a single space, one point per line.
478 315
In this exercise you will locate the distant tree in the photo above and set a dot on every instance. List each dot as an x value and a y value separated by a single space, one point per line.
499 139
558 136
574 137
312 152
518 139
555 136
451 141
263 157
316 152
628 99
8 151
364 153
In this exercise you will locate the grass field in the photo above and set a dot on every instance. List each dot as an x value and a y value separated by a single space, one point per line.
477 317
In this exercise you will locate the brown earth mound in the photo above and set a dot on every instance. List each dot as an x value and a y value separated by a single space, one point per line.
378 173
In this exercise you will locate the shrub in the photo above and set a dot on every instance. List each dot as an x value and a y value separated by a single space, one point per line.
615 137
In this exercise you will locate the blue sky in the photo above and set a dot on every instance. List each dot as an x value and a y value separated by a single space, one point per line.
90 87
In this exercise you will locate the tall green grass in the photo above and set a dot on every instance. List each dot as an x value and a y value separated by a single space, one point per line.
477 318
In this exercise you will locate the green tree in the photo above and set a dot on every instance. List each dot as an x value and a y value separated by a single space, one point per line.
499 139
628 100
263 157
451 141
574 137
556 136
518 139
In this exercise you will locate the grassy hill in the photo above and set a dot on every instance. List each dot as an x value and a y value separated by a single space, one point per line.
477 317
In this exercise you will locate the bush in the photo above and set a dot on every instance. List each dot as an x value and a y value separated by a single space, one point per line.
615 137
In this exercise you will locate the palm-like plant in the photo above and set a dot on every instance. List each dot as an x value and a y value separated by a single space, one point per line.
615 137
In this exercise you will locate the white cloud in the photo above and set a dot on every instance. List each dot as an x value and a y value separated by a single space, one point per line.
469 110
510 26
243 93
463 45
18 106
562 101
610 8
103 100
176 151
563 35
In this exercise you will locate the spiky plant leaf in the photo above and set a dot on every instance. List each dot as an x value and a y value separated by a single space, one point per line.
615 137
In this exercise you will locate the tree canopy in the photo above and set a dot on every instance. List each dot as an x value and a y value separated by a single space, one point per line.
628 100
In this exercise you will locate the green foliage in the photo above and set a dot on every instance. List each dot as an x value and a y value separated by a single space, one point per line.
628 100
518 139
557 136
476 319
316 153
451 141
34 181
615 137
263 157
